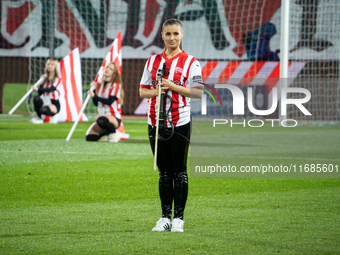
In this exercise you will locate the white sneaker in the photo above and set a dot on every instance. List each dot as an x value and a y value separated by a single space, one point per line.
177 225
37 121
113 137
164 224
54 119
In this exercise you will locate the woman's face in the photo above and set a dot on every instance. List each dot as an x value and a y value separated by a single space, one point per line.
172 36
50 66
108 71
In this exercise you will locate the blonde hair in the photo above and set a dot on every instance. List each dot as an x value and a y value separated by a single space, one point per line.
56 70
114 78
171 22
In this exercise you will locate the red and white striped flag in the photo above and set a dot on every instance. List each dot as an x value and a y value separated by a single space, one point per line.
71 93
114 55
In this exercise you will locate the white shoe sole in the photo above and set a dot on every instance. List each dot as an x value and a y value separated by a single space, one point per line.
157 230
177 230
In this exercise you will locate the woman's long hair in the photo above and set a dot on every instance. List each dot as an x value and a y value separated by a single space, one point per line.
171 22
56 70
114 78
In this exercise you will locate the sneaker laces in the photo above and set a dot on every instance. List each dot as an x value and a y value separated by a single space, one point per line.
177 223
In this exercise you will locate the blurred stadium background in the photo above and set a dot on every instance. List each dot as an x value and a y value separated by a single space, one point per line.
231 38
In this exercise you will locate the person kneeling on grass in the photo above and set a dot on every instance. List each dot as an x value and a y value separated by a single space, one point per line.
47 102
108 97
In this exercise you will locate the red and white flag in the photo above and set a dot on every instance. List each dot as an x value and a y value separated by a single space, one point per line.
114 55
71 93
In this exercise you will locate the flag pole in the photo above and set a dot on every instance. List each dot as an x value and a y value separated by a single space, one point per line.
26 95
157 128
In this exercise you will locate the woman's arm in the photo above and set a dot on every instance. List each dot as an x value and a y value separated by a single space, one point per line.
147 93
42 90
92 93
103 100
44 76
187 92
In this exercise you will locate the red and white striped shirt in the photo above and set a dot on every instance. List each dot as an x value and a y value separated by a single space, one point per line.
54 94
181 69
115 109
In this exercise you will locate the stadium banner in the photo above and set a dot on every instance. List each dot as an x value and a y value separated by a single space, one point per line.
211 29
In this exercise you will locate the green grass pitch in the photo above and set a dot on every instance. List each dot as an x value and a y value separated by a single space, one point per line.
59 197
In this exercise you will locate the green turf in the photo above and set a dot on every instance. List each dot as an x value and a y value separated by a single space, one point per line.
59 197
12 93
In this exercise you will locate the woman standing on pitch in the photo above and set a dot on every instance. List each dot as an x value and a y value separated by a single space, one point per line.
181 70
108 97
49 103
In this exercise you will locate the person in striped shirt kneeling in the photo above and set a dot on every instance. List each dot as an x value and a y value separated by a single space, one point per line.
108 97
47 103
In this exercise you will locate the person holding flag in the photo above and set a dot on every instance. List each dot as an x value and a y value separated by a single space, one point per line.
47 102
108 97
174 73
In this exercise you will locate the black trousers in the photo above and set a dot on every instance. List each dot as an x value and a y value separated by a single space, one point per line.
172 164
40 109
